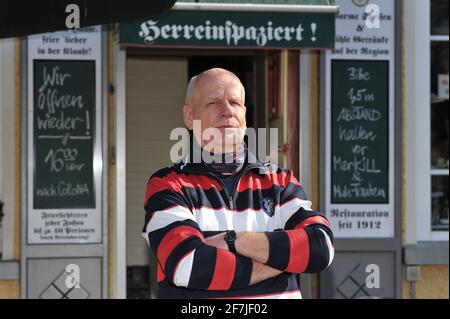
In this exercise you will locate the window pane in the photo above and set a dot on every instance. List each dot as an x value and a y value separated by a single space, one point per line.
439 135
439 68
439 17
439 105
439 203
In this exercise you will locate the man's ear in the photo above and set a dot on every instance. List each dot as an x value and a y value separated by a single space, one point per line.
187 116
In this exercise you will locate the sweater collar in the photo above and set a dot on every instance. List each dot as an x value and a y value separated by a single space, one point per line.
250 162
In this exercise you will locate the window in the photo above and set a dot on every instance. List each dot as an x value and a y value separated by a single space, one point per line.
439 45
427 124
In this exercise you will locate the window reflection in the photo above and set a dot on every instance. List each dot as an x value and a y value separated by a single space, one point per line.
439 203
439 67
439 105
439 135
439 17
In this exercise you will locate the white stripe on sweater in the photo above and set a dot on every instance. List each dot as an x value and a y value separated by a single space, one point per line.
291 207
184 269
283 295
330 247
163 218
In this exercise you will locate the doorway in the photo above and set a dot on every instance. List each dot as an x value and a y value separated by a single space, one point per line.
155 94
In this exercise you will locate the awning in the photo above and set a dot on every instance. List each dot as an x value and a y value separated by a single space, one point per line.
23 17
234 24
289 2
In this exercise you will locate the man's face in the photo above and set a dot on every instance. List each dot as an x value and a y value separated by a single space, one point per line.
218 102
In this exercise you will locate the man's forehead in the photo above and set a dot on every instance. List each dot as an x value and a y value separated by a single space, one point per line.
213 84
212 92
217 78
217 72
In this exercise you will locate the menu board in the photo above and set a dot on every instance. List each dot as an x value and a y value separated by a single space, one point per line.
359 133
359 195
64 149
64 125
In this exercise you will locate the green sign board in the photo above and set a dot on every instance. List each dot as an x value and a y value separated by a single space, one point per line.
278 2
233 30
64 117
360 132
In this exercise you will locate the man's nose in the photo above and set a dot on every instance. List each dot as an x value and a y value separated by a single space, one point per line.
227 109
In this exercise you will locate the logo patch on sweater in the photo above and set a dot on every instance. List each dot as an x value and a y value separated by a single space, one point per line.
268 206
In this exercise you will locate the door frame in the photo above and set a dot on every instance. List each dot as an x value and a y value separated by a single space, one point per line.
1 142
121 54
119 253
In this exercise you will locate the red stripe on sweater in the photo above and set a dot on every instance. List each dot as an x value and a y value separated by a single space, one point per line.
298 250
223 271
172 239
255 181
313 220
175 182
160 274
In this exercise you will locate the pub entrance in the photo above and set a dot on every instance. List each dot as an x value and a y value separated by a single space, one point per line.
155 94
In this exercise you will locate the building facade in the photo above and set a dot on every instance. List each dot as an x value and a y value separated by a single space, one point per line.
86 118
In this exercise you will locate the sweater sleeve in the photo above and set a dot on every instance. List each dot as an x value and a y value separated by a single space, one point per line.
179 245
306 242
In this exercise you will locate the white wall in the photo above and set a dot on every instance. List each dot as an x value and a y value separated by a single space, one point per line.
155 95
7 138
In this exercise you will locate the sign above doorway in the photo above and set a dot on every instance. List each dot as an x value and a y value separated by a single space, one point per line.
231 26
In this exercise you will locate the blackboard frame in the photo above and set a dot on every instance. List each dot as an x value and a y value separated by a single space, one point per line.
386 173
86 225
344 217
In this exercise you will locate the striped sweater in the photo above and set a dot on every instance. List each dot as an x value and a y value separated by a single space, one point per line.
186 203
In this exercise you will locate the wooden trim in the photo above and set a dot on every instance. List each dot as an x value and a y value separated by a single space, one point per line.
315 127
17 148
283 159
274 85
256 7
315 148
9 289
175 51
293 109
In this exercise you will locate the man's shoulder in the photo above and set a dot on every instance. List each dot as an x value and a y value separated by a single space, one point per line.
279 175
165 172
270 169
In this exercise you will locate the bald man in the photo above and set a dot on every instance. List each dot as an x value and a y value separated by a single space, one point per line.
232 227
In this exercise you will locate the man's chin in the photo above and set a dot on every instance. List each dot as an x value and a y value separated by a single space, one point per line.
228 130
222 147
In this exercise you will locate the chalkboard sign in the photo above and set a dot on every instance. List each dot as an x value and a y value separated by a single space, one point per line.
63 120
360 132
